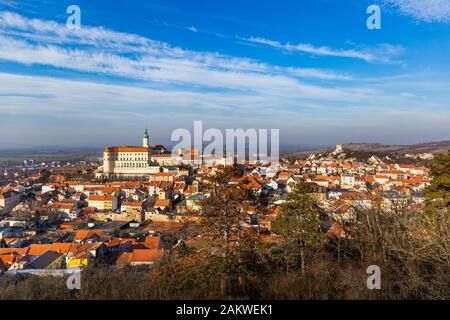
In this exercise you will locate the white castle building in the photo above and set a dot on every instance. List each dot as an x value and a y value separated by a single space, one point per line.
130 161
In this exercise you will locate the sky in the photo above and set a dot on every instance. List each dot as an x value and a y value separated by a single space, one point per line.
310 68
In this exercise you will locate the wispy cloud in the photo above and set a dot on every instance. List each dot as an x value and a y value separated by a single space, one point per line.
99 50
192 28
423 10
384 53
9 3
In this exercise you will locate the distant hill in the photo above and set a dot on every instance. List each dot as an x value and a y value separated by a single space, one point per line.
47 154
379 149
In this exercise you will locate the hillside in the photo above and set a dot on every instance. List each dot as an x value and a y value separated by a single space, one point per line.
379 149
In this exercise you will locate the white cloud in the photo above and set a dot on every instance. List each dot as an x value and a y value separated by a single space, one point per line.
424 10
384 53
192 28
99 50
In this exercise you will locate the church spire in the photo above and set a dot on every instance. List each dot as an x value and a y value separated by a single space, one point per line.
146 139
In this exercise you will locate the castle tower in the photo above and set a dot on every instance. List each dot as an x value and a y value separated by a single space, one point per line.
338 149
146 142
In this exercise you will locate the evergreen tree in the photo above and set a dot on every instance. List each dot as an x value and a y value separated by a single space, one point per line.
299 227
438 193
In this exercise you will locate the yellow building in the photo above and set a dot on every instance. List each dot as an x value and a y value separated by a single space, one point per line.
103 202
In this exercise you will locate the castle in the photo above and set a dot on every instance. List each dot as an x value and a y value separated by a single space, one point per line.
130 161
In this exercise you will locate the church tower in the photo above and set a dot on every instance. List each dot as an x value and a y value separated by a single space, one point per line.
146 139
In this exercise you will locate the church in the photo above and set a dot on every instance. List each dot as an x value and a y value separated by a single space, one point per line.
129 161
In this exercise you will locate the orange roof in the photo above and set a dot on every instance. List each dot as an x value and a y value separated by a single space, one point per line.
20 251
253 185
132 204
337 230
162 203
152 242
395 172
100 198
127 149
38 249
125 258
146 255
326 178
60 205
163 155
415 180
110 189
61 247
285 175
165 174
7 260
84 234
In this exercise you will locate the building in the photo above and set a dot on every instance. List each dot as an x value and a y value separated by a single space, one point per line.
8 200
347 181
130 161
103 202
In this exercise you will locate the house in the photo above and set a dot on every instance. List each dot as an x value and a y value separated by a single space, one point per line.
394 200
12 232
165 159
381 179
193 203
86 253
395 174
269 187
103 202
152 242
140 257
357 199
130 205
48 260
163 204
8 200
418 197
83 236
342 211
336 193
347 181
163 176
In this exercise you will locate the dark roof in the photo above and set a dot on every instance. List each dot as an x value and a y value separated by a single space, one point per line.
43 261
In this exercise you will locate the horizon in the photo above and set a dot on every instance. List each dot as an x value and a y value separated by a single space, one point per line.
320 76
284 148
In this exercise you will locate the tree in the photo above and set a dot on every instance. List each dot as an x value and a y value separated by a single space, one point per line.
223 211
44 176
438 192
299 226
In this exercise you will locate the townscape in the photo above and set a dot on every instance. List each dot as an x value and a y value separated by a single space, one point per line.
128 210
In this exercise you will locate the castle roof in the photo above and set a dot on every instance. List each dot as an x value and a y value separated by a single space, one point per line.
127 149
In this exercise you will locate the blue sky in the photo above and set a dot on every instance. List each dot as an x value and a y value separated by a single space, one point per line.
310 68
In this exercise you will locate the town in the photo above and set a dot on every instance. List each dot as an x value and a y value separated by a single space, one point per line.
128 209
